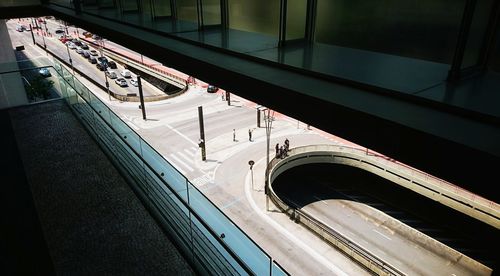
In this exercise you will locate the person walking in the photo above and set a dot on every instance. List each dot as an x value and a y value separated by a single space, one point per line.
234 135
277 149
250 135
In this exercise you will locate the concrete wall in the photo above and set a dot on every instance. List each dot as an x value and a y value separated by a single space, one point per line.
12 91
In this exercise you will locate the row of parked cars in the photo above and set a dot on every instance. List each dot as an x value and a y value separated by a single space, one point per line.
102 63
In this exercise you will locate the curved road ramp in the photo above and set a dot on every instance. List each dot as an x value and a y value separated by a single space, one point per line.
381 243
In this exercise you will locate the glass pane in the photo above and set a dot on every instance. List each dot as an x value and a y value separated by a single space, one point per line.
187 10
495 56
277 270
425 29
476 34
129 5
130 137
211 12
257 16
246 249
161 8
296 19
170 175
106 3
101 109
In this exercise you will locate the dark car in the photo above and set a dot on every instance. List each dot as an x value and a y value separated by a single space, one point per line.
59 31
85 46
112 64
86 54
101 66
77 43
92 60
121 82
212 89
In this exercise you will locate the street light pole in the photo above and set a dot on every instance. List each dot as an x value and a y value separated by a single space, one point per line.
70 60
268 120
45 45
107 84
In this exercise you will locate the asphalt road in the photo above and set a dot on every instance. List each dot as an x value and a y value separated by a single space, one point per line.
172 129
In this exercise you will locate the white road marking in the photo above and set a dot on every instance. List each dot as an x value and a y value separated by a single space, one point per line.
133 125
382 234
191 153
313 253
181 162
182 135
185 157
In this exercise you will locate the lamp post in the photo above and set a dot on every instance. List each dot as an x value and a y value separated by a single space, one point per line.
107 84
251 163
268 120
70 60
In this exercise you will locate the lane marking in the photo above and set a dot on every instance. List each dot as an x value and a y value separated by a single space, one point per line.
382 234
185 157
181 162
182 135
313 253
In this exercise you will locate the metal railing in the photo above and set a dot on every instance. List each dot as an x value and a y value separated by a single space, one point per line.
356 157
208 238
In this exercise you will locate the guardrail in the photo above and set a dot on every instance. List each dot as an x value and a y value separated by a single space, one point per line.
167 76
212 243
361 159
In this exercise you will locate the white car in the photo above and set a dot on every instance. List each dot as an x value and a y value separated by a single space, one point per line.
71 45
134 82
79 50
121 82
126 73
111 74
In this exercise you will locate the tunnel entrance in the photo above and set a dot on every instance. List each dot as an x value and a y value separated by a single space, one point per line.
305 184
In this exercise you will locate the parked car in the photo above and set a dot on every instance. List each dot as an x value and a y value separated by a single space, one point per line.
111 74
134 82
101 66
92 60
126 73
121 82
93 53
19 28
59 31
79 50
86 54
87 34
212 89
77 43
71 45
112 64
44 72
85 46
102 60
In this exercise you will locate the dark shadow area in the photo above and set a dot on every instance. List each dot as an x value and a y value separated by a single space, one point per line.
23 247
306 184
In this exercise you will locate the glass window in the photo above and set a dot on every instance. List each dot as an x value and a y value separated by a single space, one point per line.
129 5
425 29
187 10
477 31
296 19
258 16
211 12
495 55
161 8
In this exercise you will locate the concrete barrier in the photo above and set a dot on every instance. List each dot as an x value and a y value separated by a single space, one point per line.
358 158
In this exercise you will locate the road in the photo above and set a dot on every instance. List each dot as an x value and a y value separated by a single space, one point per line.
80 62
172 129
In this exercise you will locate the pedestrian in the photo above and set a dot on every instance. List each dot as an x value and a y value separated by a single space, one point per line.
234 135
250 135
277 149
287 145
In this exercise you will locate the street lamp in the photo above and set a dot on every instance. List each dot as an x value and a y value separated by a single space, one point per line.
107 83
268 120
251 163
70 60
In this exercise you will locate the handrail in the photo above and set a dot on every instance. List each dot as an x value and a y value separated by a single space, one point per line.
186 204
359 155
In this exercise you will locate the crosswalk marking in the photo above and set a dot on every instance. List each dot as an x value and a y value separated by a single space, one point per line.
202 180
181 162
